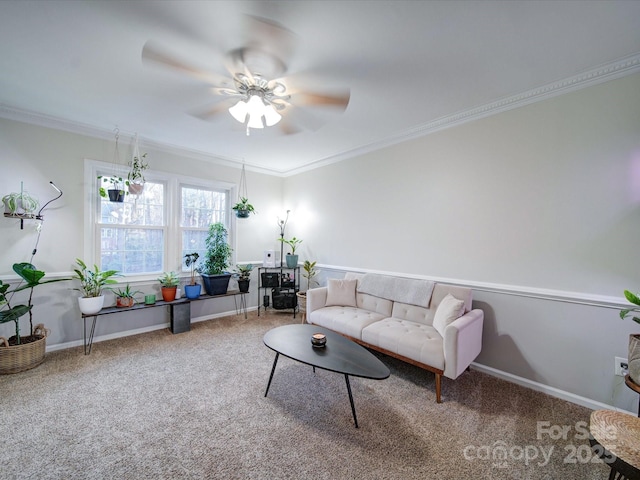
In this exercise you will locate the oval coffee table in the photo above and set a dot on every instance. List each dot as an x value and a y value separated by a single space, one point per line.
340 355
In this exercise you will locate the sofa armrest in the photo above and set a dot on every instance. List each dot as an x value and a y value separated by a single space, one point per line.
316 298
462 342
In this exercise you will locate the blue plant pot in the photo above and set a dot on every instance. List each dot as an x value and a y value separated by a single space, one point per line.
192 291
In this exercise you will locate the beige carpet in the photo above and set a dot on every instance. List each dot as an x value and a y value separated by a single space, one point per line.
161 406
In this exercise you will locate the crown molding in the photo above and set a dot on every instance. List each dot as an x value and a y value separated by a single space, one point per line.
604 73
56 123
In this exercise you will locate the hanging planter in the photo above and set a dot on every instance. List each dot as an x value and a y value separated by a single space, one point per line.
135 177
243 208
115 184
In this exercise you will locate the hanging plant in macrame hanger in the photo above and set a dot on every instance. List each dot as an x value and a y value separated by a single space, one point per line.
243 208
135 177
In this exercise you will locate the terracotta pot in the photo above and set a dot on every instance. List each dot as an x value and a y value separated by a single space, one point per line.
124 302
169 293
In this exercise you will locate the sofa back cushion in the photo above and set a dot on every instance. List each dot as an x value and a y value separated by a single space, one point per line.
372 303
379 305
413 313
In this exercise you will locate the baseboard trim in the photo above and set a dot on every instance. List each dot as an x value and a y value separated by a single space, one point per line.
552 391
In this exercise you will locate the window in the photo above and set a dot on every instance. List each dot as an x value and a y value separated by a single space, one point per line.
199 208
150 233
132 233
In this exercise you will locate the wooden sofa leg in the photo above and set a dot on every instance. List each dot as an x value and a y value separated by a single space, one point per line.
438 385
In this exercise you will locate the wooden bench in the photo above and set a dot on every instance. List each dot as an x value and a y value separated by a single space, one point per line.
180 313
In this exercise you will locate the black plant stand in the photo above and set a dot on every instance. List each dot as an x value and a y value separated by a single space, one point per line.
276 287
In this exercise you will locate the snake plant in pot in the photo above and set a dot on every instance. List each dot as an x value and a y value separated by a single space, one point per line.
22 352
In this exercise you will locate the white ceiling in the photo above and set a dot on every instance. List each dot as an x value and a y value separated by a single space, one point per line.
412 67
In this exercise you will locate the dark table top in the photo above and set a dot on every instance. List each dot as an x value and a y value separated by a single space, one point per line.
340 354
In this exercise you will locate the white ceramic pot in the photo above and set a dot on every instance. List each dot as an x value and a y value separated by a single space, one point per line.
90 305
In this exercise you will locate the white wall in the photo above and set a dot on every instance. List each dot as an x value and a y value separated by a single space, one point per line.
543 199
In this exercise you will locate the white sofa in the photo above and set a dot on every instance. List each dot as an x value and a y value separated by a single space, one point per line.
427 324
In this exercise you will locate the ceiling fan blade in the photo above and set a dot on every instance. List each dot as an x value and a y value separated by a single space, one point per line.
213 111
155 54
271 38
337 99
300 118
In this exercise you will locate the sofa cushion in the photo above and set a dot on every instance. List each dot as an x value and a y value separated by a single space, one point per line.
379 305
341 292
449 309
405 311
346 320
413 340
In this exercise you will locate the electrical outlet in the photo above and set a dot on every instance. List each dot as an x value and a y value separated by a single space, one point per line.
621 366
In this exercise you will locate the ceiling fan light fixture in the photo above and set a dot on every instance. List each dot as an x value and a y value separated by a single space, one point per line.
239 111
255 112
271 117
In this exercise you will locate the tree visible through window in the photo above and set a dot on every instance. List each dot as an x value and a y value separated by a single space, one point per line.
150 233
132 233
200 207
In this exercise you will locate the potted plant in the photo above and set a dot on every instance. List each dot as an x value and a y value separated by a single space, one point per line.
243 273
169 282
634 338
115 188
20 203
135 177
216 261
192 290
243 208
22 352
125 297
309 272
292 258
91 284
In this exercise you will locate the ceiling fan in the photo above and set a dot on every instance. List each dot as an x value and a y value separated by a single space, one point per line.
257 92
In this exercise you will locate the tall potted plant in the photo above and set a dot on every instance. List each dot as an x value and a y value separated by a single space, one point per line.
216 260
292 258
193 289
309 273
92 282
634 338
22 352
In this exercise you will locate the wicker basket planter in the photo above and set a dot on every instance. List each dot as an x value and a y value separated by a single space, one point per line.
18 358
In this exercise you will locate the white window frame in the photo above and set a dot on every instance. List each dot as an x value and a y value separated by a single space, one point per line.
172 257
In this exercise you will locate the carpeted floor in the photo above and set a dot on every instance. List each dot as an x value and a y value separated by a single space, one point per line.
163 406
